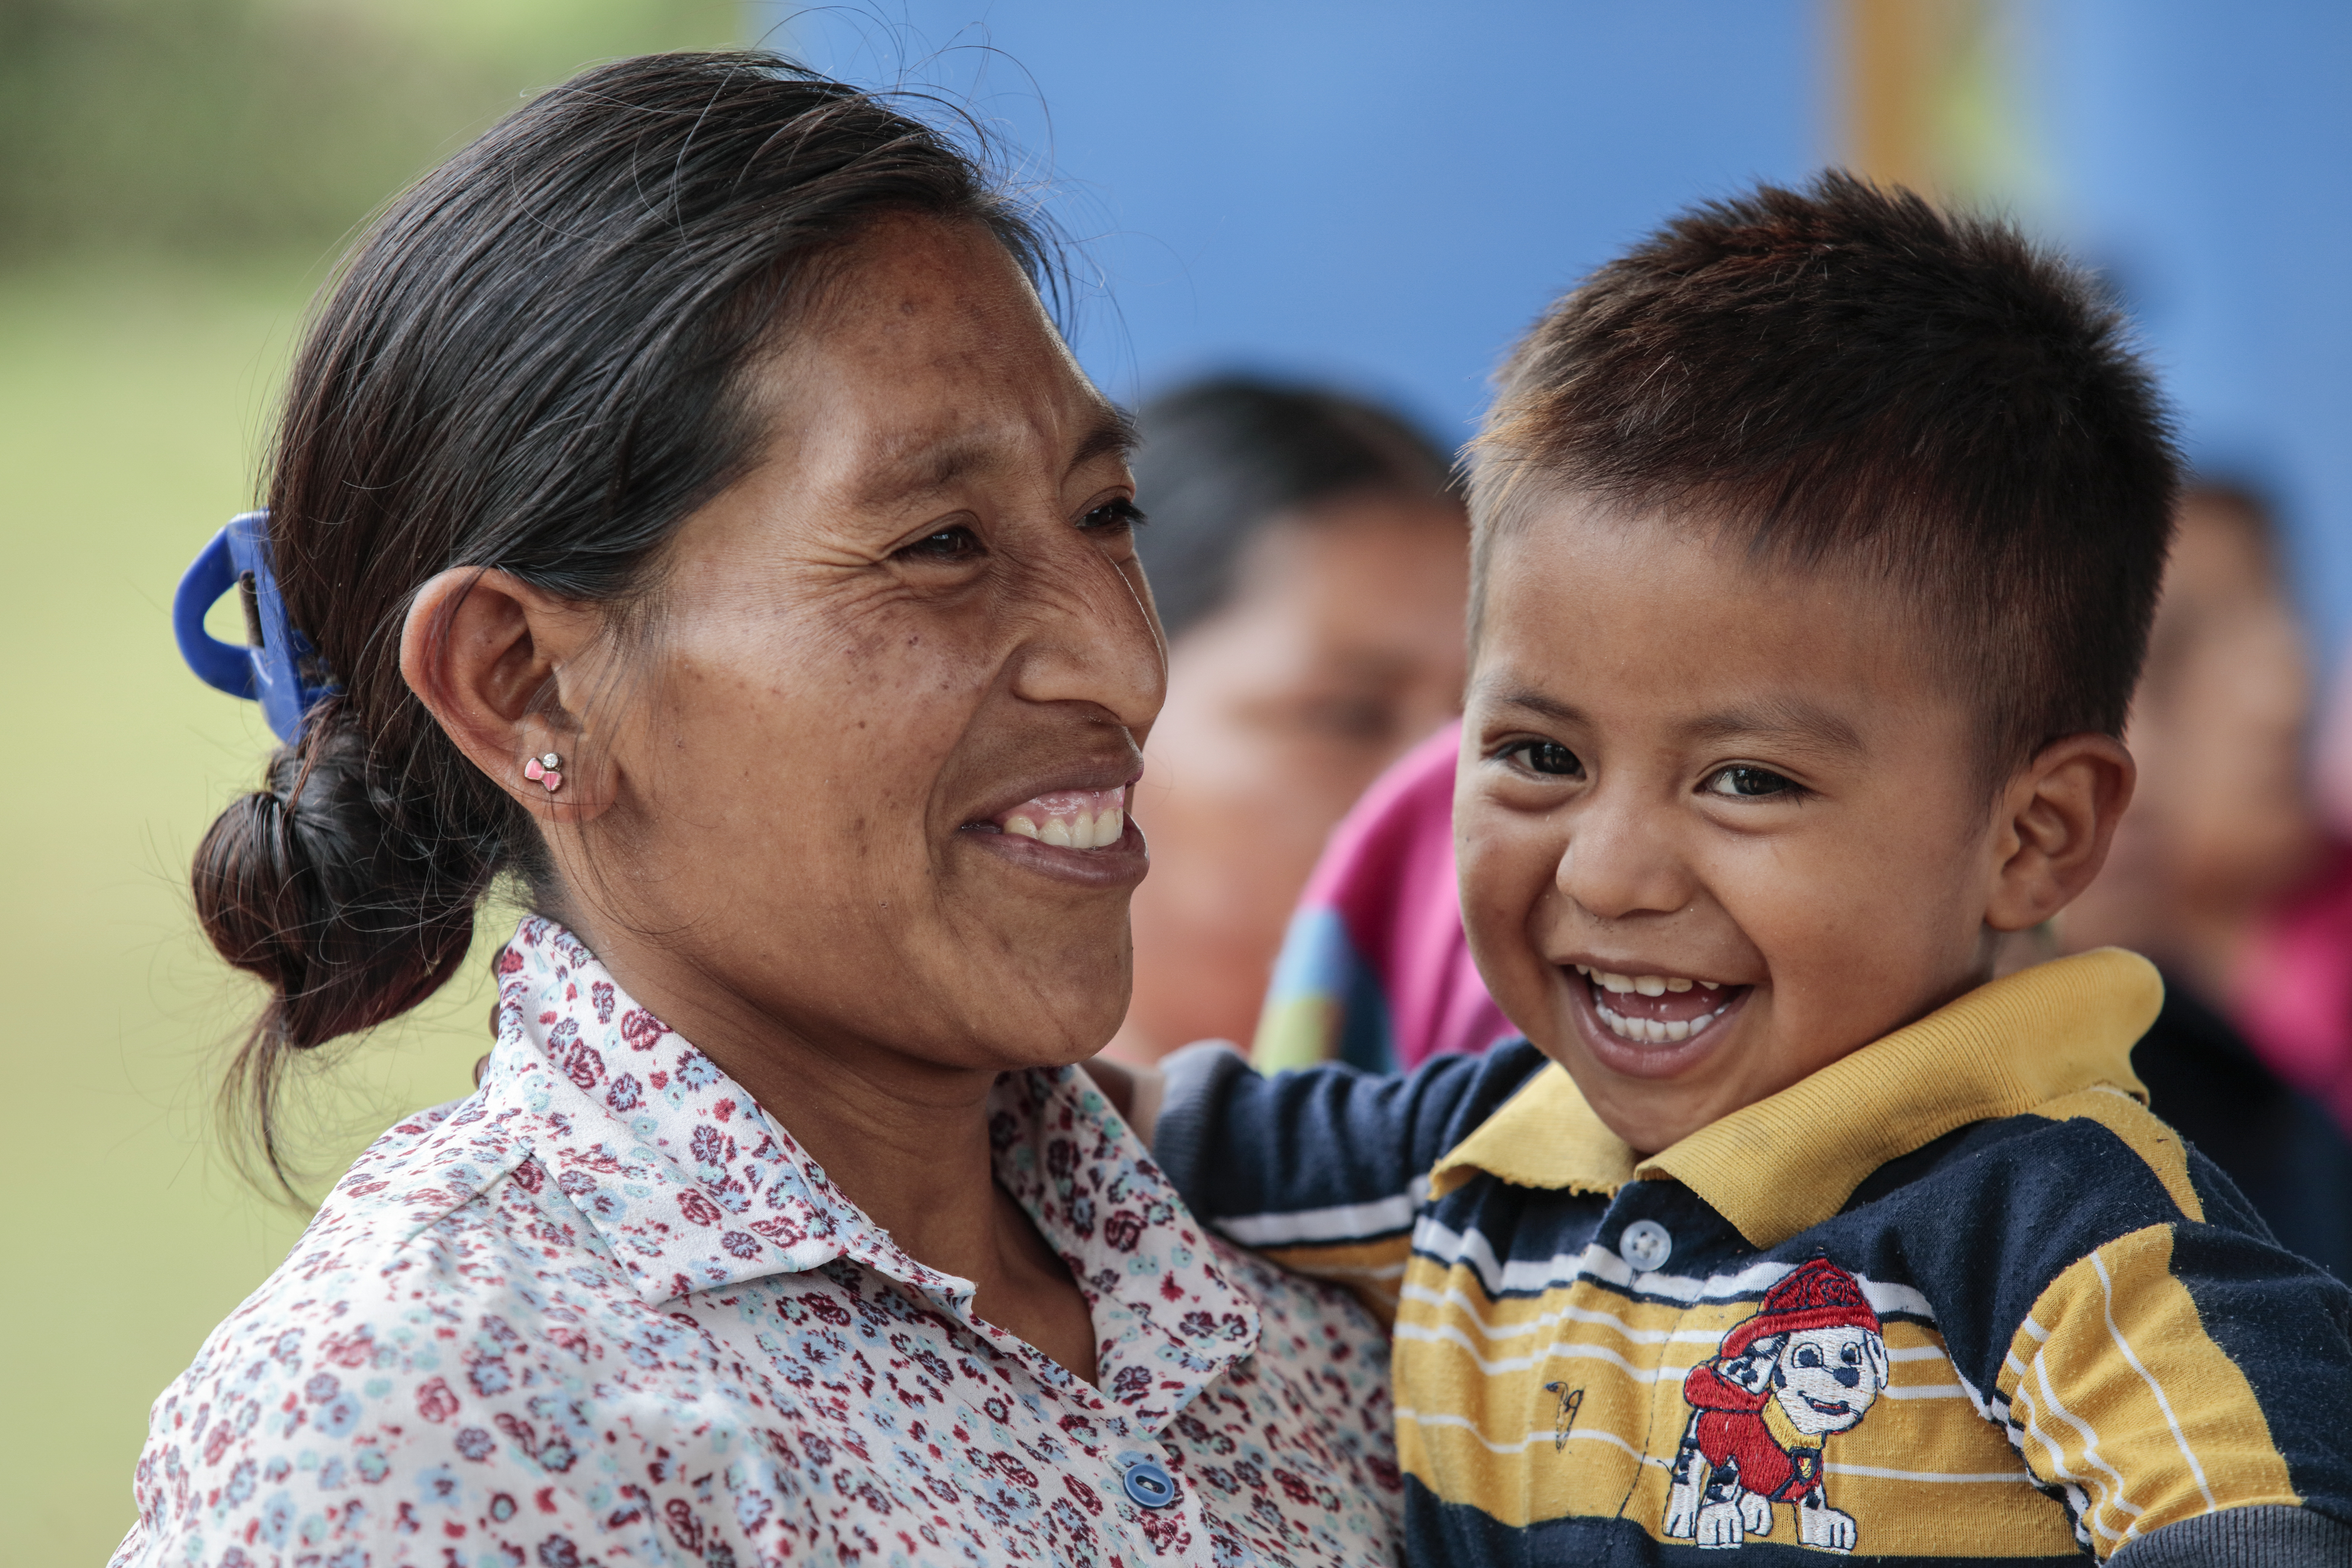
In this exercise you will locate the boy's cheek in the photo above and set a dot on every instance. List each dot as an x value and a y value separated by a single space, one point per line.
1507 870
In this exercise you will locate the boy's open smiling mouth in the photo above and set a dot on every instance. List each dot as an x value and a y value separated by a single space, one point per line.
1651 1026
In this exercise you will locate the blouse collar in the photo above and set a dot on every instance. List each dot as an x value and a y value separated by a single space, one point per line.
694 1187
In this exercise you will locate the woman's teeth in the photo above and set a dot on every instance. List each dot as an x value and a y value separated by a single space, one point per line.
1651 1031
1071 818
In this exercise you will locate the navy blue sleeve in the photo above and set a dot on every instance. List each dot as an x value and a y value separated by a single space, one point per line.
1236 1143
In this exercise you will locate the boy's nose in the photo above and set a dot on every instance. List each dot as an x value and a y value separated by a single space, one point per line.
1848 1376
1619 866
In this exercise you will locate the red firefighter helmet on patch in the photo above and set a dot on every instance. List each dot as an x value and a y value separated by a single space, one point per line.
1820 1295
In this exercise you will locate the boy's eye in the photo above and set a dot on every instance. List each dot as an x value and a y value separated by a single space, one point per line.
948 545
1547 757
1747 782
1807 1356
1115 515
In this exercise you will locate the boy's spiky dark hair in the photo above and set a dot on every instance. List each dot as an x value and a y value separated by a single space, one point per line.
1847 378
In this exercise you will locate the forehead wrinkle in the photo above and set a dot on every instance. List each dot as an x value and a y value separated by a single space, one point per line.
918 466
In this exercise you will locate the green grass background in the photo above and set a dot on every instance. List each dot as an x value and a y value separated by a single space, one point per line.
132 404
138 369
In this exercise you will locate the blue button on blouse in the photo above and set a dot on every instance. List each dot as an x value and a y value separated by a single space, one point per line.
1150 1486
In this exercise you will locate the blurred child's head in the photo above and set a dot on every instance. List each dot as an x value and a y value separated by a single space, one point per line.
1816 540
2223 824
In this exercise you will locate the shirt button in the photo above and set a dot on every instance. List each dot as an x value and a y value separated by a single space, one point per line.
1646 1245
1149 1486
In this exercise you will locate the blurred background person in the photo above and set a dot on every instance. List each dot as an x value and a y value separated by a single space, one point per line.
1310 559
2296 999
2222 872
2222 824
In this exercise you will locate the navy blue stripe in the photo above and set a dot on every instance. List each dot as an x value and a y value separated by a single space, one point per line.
1236 1143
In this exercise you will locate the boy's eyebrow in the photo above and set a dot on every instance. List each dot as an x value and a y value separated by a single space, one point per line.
1789 720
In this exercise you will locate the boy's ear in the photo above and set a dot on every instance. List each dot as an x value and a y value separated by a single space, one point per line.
2057 816
487 654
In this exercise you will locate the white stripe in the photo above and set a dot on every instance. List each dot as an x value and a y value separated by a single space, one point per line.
1345 1222
1454 1298
1446 1246
1521 1446
1564 1348
1885 1475
1571 1350
2107 1288
2085 1509
2109 1497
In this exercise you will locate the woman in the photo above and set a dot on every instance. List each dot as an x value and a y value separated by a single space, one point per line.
708 531
1310 562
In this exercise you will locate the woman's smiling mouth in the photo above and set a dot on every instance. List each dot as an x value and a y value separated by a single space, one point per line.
1070 818
1074 833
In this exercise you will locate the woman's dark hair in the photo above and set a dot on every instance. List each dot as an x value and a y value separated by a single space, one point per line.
1223 458
534 362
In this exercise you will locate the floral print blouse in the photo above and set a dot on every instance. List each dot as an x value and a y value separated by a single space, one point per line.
606 1311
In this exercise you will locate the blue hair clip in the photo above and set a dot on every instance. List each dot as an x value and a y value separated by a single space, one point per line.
278 668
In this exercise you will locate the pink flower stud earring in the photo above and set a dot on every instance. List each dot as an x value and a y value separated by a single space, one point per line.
544 769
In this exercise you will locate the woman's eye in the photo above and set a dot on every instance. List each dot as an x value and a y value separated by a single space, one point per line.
1747 782
1547 757
949 544
1115 515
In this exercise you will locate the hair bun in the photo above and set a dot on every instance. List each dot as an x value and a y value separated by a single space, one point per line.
311 884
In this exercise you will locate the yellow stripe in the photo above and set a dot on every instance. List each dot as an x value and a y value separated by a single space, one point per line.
2120 1392
1486 1418
1372 1269
1296 1033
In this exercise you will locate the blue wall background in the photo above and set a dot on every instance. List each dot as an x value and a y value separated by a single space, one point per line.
1387 192
1379 191
2200 153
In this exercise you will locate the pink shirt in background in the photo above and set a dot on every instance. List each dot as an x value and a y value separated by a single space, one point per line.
2294 1005
1375 969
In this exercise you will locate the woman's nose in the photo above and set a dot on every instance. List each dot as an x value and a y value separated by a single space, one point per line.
1096 639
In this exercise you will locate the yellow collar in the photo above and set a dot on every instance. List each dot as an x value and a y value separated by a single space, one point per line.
1790 1160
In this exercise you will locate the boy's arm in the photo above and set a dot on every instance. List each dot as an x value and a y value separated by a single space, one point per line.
2190 1386
1321 1169
2159 1362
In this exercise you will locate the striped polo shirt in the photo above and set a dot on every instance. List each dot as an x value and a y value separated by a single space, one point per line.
1956 1297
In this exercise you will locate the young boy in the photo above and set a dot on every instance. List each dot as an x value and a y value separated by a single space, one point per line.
1815 545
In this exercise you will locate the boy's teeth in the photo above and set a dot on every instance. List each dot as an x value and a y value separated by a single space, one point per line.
1643 985
1653 1031
1071 818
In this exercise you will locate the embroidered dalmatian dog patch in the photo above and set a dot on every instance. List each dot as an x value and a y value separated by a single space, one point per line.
1806 1367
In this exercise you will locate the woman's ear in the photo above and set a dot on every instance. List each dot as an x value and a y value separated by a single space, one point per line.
488 654
2057 817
